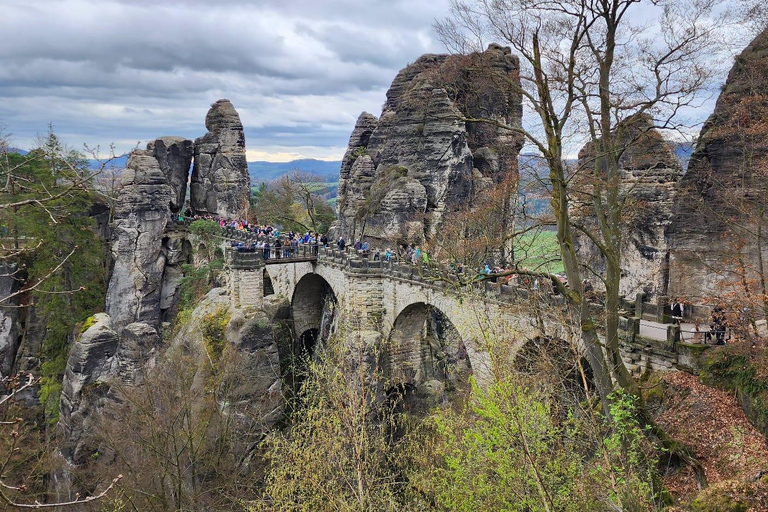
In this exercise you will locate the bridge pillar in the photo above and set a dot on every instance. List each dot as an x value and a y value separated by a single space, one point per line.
245 280
362 316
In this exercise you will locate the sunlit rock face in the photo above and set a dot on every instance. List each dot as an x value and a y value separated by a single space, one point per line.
720 211
146 258
649 172
422 159
220 182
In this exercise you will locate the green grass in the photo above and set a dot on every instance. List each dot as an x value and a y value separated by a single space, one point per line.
539 251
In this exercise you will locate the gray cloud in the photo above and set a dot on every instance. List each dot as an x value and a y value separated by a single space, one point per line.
298 71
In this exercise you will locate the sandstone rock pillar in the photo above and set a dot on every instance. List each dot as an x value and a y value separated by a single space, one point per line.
220 183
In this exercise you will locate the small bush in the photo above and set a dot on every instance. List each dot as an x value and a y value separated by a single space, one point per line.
214 327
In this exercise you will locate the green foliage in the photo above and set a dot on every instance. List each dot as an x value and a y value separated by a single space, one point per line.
66 259
205 228
297 201
358 153
726 497
633 460
506 453
214 327
336 454
89 322
539 251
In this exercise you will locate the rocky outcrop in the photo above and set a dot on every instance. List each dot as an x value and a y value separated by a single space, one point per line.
88 367
649 174
98 361
174 154
251 385
405 171
9 318
221 184
720 210
143 276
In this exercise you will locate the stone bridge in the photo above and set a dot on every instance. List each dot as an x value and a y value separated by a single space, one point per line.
414 320
413 317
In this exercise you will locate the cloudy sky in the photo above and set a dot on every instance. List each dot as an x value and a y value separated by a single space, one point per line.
299 72
124 72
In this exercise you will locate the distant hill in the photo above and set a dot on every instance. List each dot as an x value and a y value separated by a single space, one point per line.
17 150
118 162
268 171
261 171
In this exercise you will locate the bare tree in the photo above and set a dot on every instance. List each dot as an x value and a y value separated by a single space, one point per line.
589 68
296 201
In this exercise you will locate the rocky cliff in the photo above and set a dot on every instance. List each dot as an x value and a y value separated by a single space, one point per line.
715 235
146 258
9 315
421 160
220 183
649 174
119 350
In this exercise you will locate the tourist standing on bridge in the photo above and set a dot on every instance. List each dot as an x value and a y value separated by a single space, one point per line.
278 248
677 311
265 250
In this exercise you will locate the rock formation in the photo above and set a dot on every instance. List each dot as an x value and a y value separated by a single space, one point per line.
98 360
174 154
9 314
721 207
144 254
402 173
649 173
221 184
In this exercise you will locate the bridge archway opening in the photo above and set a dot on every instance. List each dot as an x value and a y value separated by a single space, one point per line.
313 309
307 341
425 357
269 289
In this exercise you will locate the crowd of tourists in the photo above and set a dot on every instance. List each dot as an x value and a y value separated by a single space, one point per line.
272 244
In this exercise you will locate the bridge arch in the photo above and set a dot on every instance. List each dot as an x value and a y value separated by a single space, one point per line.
313 306
424 345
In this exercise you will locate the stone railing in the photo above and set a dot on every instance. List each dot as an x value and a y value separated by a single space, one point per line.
434 276
271 256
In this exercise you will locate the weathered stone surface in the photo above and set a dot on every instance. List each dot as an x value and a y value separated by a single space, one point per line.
405 171
145 276
84 386
649 174
220 181
9 316
722 195
174 154
254 381
251 386
141 217
136 351
98 360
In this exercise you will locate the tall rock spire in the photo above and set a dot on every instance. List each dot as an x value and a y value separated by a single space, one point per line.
220 184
